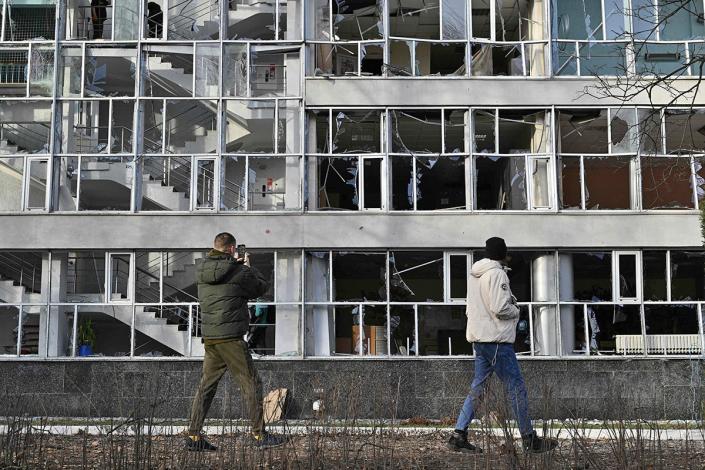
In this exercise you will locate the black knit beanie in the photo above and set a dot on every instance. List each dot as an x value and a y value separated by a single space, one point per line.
495 248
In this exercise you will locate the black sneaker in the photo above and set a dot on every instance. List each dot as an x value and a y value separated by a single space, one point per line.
458 442
537 445
267 440
199 444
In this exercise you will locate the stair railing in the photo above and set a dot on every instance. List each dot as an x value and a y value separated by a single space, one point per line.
27 273
180 18
26 131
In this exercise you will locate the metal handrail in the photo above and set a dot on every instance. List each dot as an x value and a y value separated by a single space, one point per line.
182 19
22 130
18 264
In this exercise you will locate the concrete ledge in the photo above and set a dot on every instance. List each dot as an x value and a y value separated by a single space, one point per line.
351 230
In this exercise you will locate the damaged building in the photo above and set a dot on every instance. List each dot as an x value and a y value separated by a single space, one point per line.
363 150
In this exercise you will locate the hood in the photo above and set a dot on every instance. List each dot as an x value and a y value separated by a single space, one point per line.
214 268
484 265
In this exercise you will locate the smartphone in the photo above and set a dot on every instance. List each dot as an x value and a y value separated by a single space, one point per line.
241 251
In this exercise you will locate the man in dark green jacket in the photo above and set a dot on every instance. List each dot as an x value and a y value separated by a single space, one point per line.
225 284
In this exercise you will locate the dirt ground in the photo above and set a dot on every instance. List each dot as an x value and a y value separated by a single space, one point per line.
337 451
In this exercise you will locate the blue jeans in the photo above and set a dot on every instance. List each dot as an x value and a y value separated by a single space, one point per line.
498 358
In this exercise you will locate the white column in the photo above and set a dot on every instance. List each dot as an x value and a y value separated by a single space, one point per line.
288 289
58 330
320 336
546 341
565 262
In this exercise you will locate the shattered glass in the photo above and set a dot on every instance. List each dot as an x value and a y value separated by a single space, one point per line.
105 71
41 77
685 131
336 59
565 59
235 73
666 183
416 276
650 135
356 20
607 182
400 58
414 19
484 131
440 183
207 70
338 183
440 59
372 59
525 131
454 128
583 131
247 20
624 131
668 320
496 60
454 19
356 131
500 183
416 131
602 59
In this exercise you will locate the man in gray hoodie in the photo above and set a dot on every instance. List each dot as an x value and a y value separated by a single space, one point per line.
492 319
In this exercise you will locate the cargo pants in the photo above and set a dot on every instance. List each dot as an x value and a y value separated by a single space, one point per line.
234 356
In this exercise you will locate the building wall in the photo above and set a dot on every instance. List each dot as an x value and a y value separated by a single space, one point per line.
595 389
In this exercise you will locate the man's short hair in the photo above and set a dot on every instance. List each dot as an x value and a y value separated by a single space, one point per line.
223 240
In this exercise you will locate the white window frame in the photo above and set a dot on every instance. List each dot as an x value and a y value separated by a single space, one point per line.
616 270
447 274
108 277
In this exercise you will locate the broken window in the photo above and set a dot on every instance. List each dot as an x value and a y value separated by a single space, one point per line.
36 183
250 126
577 19
497 60
288 276
317 276
428 58
274 71
655 275
273 183
672 329
571 186
440 183
168 71
170 345
500 183
24 127
11 178
627 283
110 71
105 183
205 177
166 183
608 182
442 331
41 74
85 276
402 182
666 183
27 21
400 57
402 330
261 337
356 131
190 126
412 19
416 276
615 329
453 19
457 276
574 332
360 330
70 72
685 131
264 263
233 193
416 131
484 140
119 277
687 275
699 179
591 274
235 70
112 327
531 275
524 131
195 21
454 125
583 131
338 183
624 135
650 133
359 276
359 20
522 341
97 126
207 70
289 126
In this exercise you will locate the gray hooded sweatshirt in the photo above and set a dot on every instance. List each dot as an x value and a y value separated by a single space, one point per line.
491 310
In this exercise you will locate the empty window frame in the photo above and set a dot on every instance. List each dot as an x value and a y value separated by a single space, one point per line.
165 183
626 277
27 71
429 182
359 21
351 183
278 20
258 183
427 58
118 21
179 126
598 183
109 71
258 70
262 126
416 276
347 131
667 183
349 59
97 126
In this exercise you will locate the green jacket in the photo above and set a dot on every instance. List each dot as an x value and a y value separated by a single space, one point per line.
224 287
